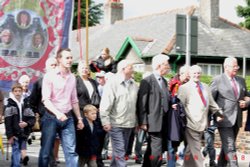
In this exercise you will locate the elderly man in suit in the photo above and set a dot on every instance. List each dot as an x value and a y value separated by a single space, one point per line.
229 92
197 100
152 106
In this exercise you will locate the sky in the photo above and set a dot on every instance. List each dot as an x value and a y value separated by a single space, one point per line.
135 8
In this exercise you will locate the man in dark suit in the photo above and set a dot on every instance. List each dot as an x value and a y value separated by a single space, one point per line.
152 106
229 91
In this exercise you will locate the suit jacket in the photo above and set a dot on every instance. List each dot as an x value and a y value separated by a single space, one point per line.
36 97
82 92
223 94
87 141
196 111
150 103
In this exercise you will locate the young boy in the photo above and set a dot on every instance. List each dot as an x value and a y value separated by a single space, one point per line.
87 138
19 120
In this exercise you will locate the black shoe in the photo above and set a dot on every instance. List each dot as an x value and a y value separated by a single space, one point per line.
29 141
204 153
212 164
33 137
25 160
138 161
163 162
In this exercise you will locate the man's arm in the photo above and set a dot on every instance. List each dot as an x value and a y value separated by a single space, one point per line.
142 104
214 89
213 106
76 111
107 102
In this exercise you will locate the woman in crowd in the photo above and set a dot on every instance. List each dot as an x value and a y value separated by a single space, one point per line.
87 93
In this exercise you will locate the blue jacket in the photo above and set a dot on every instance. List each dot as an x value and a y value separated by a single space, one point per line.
176 121
87 141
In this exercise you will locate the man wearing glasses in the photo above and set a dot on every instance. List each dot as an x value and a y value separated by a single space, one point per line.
229 91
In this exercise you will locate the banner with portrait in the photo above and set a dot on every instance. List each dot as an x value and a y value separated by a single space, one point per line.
30 32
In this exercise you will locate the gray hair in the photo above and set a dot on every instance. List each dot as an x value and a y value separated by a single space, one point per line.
49 61
158 60
123 64
184 69
229 60
195 68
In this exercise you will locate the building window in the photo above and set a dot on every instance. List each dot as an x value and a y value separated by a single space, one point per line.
139 67
211 69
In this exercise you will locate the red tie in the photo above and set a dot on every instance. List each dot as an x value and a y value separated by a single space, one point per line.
201 94
234 87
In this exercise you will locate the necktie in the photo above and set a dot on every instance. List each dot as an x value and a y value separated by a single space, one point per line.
201 94
160 82
164 95
234 87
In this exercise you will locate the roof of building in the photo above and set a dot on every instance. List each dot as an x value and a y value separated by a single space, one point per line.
156 33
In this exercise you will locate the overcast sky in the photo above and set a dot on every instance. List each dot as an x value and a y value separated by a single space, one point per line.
134 8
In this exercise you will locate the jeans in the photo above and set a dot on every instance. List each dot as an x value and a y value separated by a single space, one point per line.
209 145
66 129
141 136
16 152
119 139
172 149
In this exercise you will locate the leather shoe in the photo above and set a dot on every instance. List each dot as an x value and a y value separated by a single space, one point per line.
138 161
25 160
204 153
212 164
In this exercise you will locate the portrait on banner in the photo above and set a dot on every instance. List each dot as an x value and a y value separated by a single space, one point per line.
29 34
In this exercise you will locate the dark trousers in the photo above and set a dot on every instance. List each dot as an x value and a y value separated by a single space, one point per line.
141 136
228 151
99 150
209 145
153 154
130 143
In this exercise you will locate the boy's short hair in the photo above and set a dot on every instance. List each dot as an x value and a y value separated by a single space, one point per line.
89 107
16 85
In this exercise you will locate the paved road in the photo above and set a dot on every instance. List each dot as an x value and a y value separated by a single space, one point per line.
33 152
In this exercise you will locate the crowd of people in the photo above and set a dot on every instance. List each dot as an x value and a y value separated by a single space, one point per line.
82 113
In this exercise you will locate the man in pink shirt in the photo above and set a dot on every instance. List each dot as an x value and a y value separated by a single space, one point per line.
60 98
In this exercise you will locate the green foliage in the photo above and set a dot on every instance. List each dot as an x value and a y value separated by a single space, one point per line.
244 11
206 79
137 76
95 13
248 82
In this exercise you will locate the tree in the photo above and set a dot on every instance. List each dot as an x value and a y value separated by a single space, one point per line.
95 13
244 11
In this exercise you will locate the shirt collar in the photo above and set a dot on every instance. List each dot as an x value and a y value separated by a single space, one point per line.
157 75
58 71
121 79
195 83
230 78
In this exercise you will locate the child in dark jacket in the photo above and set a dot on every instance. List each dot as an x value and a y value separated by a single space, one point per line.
19 120
87 138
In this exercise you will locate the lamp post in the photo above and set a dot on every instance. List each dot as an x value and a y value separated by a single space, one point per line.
87 32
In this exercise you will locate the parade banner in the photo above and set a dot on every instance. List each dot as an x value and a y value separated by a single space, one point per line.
30 32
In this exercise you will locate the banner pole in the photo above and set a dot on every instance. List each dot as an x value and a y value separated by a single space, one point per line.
87 32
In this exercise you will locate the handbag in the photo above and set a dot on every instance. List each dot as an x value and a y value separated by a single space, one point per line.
36 127
95 99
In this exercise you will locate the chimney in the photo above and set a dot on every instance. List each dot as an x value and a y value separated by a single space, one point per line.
209 12
113 11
